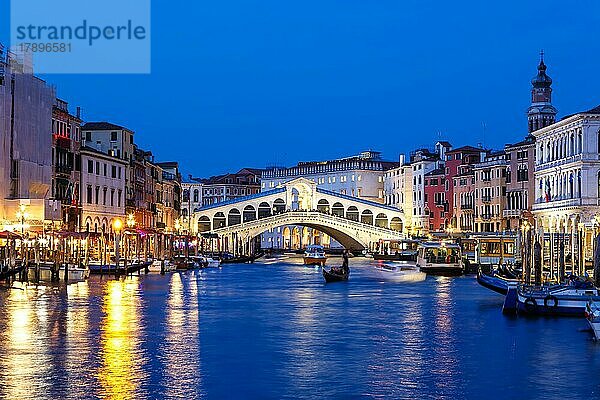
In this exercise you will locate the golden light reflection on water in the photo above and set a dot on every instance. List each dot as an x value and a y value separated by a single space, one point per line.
23 355
181 346
120 372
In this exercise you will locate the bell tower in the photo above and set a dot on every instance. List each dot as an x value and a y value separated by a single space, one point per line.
541 113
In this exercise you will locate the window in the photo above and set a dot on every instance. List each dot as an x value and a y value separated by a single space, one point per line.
90 166
104 196
113 136
119 175
97 194
112 197
114 171
119 199
97 168
88 136
195 195
89 194
104 169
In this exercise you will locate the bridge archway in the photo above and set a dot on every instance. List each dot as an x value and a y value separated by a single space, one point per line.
352 213
381 220
367 217
234 217
249 213
338 209
264 210
396 224
323 206
219 221
204 224
278 206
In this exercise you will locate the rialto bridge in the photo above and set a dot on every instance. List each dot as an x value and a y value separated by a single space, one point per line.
353 222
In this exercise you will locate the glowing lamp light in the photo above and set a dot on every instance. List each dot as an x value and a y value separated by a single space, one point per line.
130 220
117 225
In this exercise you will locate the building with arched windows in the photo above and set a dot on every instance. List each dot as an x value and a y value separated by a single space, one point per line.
567 184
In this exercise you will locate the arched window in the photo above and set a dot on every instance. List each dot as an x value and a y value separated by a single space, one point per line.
195 195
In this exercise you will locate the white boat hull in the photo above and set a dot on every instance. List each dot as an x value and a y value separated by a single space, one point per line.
595 328
400 274
45 274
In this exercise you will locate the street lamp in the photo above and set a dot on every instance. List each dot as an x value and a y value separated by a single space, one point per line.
22 216
117 226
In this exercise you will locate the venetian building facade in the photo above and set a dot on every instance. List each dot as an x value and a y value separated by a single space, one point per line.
490 193
66 164
397 188
520 185
423 161
102 190
464 198
567 180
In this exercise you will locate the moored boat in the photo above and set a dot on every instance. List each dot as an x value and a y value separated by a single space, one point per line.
592 314
570 299
400 272
315 255
43 272
397 250
335 275
158 265
440 258
494 281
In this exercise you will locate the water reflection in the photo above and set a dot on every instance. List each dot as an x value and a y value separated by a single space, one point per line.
180 354
122 360
21 358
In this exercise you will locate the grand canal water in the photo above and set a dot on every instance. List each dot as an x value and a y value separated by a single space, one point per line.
277 331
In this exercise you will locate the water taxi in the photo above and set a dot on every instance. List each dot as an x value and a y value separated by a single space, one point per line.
496 249
399 272
440 258
397 250
315 255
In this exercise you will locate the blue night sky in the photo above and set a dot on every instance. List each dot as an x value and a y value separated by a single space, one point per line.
238 83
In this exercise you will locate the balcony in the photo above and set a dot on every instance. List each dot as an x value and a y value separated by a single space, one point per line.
486 216
63 169
466 206
541 205
512 213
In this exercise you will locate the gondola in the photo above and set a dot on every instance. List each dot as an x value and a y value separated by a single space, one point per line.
331 276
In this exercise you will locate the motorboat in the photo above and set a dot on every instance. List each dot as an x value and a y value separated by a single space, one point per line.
397 250
335 274
400 272
440 258
566 299
315 255
183 263
157 266
592 314
208 262
43 272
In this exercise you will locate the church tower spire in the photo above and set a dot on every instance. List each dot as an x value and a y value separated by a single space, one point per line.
541 113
